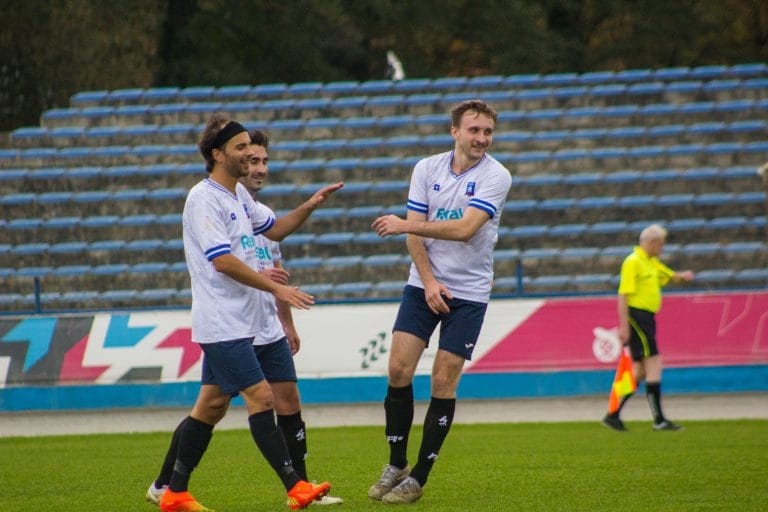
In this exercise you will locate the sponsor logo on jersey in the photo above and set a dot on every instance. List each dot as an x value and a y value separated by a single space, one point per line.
449 214
248 242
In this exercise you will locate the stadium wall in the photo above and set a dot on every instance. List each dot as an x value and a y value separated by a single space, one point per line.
528 348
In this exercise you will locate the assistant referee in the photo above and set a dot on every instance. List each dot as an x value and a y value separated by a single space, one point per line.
639 299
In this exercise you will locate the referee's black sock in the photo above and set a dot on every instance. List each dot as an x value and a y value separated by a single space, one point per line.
170 457
398 409
295 434
271 442
194 437
437 423
653 390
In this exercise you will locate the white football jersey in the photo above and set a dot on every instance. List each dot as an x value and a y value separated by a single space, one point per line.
217 222
465 268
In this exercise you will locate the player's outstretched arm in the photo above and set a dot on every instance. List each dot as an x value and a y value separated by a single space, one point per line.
459 230
290 222
231 266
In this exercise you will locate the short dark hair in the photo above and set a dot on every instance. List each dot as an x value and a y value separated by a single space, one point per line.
259 138
478 106
208 137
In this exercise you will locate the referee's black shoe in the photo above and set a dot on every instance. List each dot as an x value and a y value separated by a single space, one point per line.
612 421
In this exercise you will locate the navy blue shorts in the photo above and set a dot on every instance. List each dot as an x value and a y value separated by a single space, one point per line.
231 365
459 329
276 361
642 334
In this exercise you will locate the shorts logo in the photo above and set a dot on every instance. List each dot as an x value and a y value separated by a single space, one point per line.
470 189
436 187
469 345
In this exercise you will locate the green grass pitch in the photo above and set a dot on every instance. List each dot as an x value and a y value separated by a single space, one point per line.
710 465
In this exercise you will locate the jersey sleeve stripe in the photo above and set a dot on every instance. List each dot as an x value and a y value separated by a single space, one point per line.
483 205
215 252
416 206
264 227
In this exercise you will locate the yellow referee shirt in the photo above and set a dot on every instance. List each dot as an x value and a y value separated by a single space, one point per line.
641 280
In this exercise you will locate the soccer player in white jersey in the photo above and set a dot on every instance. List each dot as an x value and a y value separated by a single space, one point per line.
454 205
278 341
220 221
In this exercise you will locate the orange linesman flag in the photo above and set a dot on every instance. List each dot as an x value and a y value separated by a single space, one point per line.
623 383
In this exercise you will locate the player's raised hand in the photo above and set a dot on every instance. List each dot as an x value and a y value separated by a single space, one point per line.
324 193
294 297
388 225
278 275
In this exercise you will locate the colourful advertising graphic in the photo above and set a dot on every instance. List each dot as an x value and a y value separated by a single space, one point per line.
352 340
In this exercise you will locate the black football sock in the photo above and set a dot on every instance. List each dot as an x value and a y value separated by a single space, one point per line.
398 409
271 442
437 423
653 390
170 457
194 436
295 434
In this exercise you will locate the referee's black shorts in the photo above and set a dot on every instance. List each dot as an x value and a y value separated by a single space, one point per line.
642 337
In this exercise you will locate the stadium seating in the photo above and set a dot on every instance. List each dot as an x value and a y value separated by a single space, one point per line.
92 198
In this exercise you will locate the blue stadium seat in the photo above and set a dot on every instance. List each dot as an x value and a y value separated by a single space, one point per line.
153 267
719 148
18 199
68 247
160 94
551 281
540 180
744 247
530 231
620 111
716 275
334 238
645 88
41 271
647 151
721 85
752 274
556 203
178 266
14 174
306 165
118 295
596 203
477 82
366 143
530 80
30 223
756 83
633 75
700 173
341 87
157 294
544 114
750 69
607 228
713 199
60 113
607 90
531 156
567 230
198 93
107 245
699 107
165 194
53 197
579 252
144 245
558 79
659 109
708 72
380 187
110 269
308 262
35 248
727 223
627 132
639 201
671 200
597 77
72 270
353 102
613 251
129 194
668 130
88 97
540 253
700 248
365 211
83 172
312 103
687 225
228 92
128 95
342 261
62 222
385 260
174 244
355 188
592 279
520 205
752 125
750 197
266 90
756 147
735 105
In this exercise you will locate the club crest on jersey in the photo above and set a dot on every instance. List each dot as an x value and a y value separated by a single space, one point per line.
470 189
233 216
436 187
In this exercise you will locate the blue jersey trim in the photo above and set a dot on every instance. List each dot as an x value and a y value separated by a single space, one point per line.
483 205
219 187
264 227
